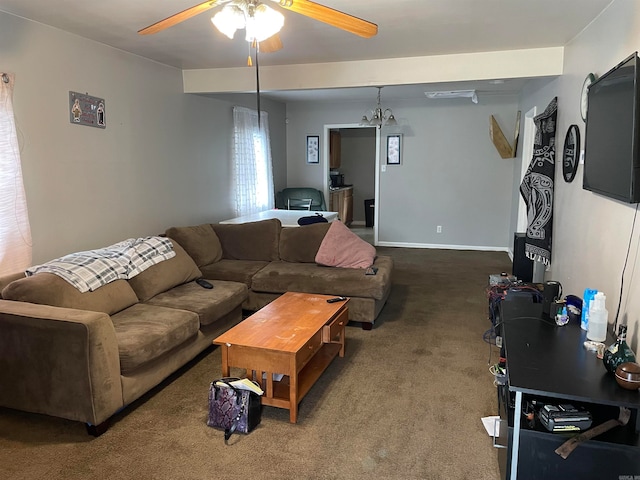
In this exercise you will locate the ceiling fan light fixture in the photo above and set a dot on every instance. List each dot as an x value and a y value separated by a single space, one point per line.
259 21
229 19
264 23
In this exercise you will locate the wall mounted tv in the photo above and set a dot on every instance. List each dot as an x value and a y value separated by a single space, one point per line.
611 162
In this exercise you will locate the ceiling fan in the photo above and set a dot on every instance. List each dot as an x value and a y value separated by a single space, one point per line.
262 22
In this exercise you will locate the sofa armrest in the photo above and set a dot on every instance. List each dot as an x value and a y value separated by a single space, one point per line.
59 361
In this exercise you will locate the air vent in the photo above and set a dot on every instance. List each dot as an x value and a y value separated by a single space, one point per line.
453 94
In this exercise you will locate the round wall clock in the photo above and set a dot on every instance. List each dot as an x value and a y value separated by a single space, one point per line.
570 153
583 95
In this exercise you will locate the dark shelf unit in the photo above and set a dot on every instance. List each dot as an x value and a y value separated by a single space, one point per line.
549 364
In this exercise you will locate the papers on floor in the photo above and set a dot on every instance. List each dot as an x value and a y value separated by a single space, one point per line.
491 425
276 376
243 384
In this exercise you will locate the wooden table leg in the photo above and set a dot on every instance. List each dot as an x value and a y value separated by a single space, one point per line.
293 391
225 360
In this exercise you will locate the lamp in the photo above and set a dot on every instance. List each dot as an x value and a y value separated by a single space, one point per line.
259 20
379 116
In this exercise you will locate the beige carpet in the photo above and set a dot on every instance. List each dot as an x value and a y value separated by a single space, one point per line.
404 403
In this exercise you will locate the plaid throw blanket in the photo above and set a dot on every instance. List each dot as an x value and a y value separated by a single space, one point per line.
88 271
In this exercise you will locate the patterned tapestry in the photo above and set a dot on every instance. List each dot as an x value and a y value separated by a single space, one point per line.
537 186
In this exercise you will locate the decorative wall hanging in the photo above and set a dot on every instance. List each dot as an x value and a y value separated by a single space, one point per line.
570 153
313 149
537 186
87 110
505 149
394 149
584 95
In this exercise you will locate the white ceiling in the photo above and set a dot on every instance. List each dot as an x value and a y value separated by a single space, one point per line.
406 28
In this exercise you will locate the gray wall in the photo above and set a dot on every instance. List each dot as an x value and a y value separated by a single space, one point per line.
163 160
451 174
591 233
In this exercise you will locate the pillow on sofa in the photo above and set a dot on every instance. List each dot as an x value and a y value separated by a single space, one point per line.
165 275
301 244
343 248
50 289
200 242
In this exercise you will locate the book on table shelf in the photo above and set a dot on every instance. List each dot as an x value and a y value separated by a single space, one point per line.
244 384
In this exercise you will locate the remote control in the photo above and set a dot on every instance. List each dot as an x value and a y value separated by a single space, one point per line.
337 299
204 284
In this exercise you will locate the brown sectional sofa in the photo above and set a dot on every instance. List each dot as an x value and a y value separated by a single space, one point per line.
271 260
85 356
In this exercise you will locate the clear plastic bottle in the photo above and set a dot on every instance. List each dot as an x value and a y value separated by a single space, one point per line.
598 318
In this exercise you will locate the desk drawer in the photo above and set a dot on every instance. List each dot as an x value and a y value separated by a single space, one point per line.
309 350
334 328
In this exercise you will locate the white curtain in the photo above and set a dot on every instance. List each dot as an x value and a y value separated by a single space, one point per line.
15 232
252 168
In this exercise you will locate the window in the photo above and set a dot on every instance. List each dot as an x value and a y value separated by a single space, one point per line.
15 232
252 168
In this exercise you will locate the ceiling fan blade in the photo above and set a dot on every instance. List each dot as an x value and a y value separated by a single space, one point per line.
180 17
271 44
332 17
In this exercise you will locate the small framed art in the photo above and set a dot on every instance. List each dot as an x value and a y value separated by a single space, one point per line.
313 149
394 149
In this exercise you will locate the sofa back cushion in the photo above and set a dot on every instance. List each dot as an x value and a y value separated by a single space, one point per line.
199 241
50 289
250 241
165 275
300 244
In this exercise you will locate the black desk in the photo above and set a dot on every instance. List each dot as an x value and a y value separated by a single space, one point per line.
549 363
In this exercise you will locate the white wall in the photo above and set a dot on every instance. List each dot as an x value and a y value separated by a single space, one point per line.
591 233
163 160
451 174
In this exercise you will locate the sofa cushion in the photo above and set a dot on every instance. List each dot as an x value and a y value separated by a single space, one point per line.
50 289
234 270
209 304
301 244
165 275
250 241
341 247
200 242
280 277
145 332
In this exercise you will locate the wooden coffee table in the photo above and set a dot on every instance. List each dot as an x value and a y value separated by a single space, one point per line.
297 335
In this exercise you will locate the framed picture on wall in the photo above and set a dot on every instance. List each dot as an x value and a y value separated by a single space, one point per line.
394 149
313 149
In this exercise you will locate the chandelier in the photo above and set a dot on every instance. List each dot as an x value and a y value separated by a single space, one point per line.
379 116
259 21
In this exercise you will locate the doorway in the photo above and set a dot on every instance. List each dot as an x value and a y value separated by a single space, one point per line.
376 168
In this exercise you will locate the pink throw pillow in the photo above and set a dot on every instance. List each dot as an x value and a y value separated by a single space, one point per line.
343 248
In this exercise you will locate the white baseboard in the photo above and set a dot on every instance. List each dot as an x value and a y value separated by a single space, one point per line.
444 247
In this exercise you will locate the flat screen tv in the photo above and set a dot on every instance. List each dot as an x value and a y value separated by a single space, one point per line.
611 162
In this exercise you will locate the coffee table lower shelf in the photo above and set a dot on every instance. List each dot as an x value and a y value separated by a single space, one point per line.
307 377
